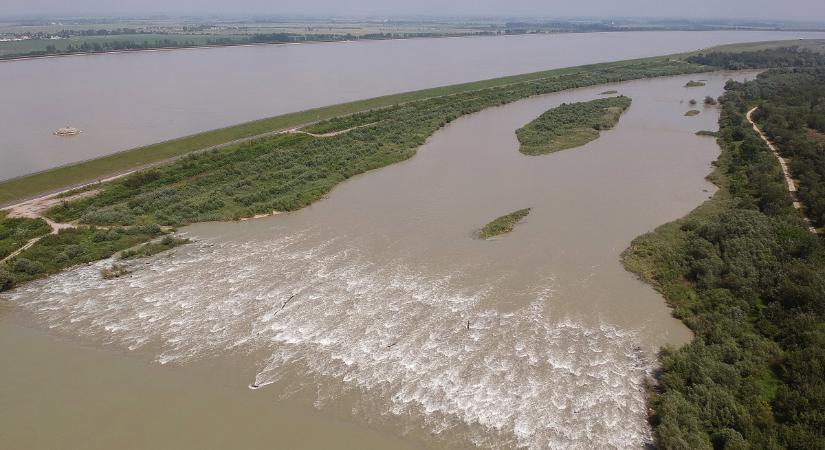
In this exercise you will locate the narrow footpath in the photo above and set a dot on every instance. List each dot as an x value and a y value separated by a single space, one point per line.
792 190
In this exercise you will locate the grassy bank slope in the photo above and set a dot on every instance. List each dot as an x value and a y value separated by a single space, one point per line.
570 125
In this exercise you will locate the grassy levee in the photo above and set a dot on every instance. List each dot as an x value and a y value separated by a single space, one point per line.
40 183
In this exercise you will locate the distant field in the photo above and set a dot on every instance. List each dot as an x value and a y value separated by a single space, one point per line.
817 45
41 45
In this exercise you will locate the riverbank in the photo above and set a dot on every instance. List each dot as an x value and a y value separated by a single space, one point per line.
745 273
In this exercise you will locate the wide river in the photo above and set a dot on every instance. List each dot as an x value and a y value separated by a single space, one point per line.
121 101
352 314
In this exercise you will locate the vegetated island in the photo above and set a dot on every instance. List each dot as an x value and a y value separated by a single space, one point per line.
747 276
692 83
692 112
570 125
503 224
612 92
707 133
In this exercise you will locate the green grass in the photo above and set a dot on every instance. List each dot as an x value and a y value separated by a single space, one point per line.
692 112
90 171
570 125
692 83
503 224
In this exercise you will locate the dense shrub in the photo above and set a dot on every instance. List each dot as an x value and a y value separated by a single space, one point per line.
748 278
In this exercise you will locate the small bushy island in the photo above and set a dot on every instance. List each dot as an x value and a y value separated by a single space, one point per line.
692 83
503 224
692 112
570 125
611 92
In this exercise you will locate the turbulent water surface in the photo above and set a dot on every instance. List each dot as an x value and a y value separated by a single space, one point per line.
378 309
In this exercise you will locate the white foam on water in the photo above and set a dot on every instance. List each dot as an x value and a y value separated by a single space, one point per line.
525 378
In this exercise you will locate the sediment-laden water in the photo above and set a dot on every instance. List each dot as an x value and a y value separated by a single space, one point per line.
377 310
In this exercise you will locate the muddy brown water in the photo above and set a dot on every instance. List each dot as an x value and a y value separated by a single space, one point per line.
351 315
122 101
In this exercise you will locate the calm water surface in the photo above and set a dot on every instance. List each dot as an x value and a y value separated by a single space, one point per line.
352 314
121 101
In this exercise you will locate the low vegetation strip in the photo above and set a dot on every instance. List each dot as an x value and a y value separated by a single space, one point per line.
570 125
746 276
503 224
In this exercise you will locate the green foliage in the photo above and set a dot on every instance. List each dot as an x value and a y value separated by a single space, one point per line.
792 105
16 232
570 125
70 247
503 224
692 112
773 57
746 276
692 83
707 133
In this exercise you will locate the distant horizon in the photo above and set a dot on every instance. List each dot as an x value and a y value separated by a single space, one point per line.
149 15
788 11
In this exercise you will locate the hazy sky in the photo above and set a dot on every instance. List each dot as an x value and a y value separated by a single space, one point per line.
810 10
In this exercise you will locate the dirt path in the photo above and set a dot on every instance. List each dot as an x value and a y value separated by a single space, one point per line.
35 209
330 134
792 190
